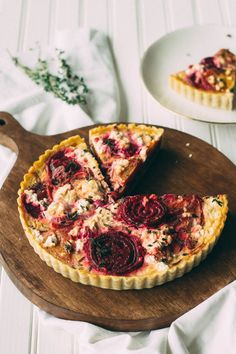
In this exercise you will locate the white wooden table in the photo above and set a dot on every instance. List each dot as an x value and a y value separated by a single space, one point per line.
132 26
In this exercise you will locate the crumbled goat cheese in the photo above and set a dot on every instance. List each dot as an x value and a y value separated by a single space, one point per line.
120 165
101 218
160 266
31 196
54 209
38 235
60 193
82 205
143 153
51 241
79 244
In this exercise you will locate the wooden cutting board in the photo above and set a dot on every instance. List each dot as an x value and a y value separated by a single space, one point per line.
185 165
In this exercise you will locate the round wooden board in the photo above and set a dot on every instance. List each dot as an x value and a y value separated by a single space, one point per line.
185 164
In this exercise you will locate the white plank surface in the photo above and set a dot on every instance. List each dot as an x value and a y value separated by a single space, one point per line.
15 319
132 26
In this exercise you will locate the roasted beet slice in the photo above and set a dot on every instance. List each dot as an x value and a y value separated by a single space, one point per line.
189 202
36 207
142 210
183 211
40 189
131 150
32 209
208 63
64 220
62 168
111 144
114 252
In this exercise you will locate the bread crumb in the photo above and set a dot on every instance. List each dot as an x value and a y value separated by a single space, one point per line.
187 144
190 155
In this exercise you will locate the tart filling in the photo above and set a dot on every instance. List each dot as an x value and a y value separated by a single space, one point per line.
122 150
216 73
211 82
169 227
171 231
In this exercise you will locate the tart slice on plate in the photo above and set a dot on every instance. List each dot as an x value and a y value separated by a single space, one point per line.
210 83
122 151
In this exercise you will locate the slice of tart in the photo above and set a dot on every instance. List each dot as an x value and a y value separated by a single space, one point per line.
210 83
122 151
61 186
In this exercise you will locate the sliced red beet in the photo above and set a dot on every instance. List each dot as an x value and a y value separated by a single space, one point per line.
114 148
141 210
114 252
62 168
190 204
131 150
41 190
208 63
32 209
64 220
182 212
111 144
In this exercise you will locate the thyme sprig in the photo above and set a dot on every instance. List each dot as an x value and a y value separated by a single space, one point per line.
65 85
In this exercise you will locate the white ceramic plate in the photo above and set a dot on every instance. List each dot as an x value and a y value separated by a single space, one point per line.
175 52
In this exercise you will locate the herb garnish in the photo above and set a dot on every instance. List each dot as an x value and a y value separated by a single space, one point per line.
72 216
219 202
69 247
65 85
72 167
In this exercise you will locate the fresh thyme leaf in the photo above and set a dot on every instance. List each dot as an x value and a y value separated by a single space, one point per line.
219 202
55 181
65 85
72 167
72 216
68 247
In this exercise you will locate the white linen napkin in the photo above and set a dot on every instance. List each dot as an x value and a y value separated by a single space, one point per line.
210 328
7 160
40 112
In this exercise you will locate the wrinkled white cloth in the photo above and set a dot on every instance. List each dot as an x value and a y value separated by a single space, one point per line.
88 53
210 328
7 160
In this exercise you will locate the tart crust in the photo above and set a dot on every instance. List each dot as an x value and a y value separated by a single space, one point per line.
220 100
